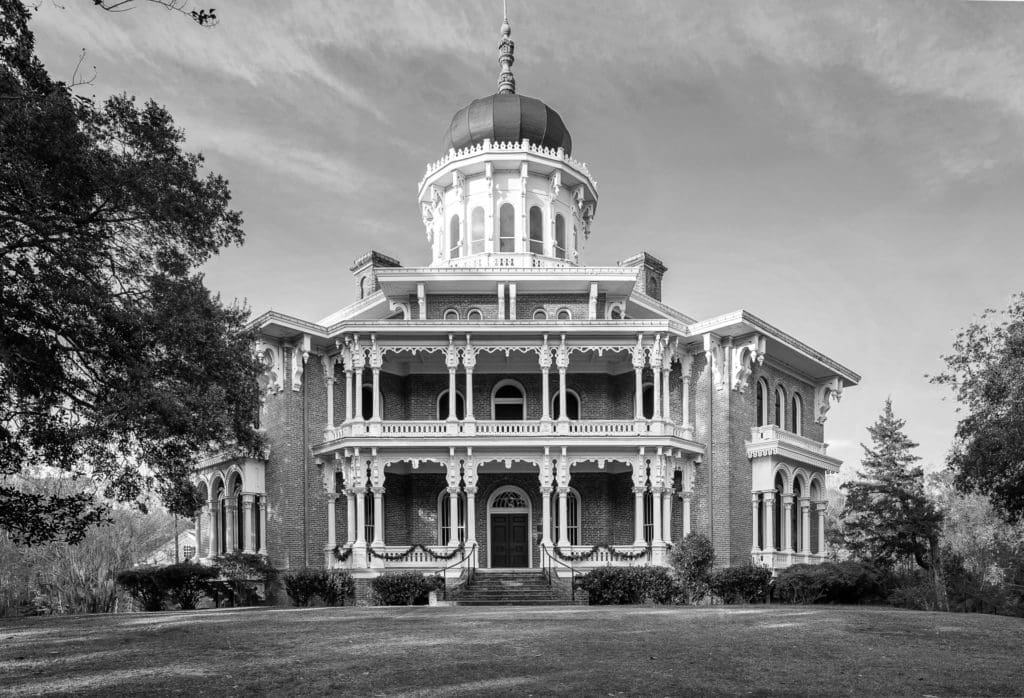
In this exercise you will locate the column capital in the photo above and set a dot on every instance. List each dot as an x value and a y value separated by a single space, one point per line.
639 490
452 490
546 489
563 489
378 490
248 498
787 499
471 491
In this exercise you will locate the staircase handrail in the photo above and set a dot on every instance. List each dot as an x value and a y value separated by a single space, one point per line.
470 554
551 558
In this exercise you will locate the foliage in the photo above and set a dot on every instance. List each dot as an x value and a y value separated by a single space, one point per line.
986 374
888 516
403 588
60 578
332 587
145 584
741 584
246 579
693 560
115 360
185 583
846 582
629 585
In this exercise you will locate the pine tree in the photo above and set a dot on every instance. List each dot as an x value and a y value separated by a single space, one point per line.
888 517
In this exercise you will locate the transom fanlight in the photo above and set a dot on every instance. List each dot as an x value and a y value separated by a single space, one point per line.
509 500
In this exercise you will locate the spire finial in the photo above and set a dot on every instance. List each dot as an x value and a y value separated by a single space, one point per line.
506 49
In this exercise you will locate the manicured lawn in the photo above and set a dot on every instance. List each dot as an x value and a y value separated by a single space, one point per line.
590 650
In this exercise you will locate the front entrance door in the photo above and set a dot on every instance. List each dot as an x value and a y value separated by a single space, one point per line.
510 538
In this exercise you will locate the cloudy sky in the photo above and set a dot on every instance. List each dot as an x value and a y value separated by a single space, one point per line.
851 172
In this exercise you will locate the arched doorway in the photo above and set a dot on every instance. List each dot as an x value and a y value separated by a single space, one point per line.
508 528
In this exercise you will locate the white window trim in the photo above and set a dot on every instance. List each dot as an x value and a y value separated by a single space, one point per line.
479 314
540 314
529 520
558 314
450 311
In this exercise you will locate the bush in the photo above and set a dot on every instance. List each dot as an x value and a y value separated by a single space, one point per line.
403 588
744 584
802 584
145 585
246 579
693 560
185 583
332 587
843 582
629 585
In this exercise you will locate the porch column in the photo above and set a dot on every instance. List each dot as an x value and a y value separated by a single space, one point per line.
360 495
666 513
638 371
787 523
348 391
451 360
453 515
469 362
470 516
358 387
263 525
563 517
230 526
638 516
378 516
562 362
332 533
687 498
656 378
545 517
769 521
666 408
248 545
376 362
213 546
754 547
805 533
328 364
821 527
686 400
656 538
350 516
545 367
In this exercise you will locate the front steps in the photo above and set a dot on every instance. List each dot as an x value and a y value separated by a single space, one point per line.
525 587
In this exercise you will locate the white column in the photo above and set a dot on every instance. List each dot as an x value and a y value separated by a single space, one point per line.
787 523
656 538
563 517
200 525
686 513
545 508
545 394
754 547
470 516
248 544
263 525
376 394
451 394
348 392
821 527
638 516
213 548
378 516
332 532
350 516
330 398
805 533
231 526
562 361
666 409
359 393
656 377
453 515
666 513
469 394
686 400
638 412
360 493
769 521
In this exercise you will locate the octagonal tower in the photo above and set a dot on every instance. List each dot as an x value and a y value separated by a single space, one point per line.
507 192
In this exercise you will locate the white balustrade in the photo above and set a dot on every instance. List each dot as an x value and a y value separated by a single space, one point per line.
583 427
774 433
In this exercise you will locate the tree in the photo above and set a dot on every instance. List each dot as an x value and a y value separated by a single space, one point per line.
116 361
888 516
986 373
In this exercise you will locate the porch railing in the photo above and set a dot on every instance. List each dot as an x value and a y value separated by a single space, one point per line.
487 427
468 570
774 433
548 564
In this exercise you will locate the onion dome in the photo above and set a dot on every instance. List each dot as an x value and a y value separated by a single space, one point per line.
506 116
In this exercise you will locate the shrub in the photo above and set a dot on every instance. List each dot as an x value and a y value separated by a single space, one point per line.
145 586
692 560
332 587
246 579
629 585
743 584
403 588
843 582
185 583
801 584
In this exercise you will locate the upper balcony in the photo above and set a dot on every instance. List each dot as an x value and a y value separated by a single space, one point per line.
772 440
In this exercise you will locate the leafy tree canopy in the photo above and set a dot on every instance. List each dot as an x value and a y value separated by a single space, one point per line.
888 516
986 373
115 360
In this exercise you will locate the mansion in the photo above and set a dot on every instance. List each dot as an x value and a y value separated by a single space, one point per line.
506 407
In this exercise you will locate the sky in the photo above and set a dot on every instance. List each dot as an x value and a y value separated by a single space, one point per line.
853 173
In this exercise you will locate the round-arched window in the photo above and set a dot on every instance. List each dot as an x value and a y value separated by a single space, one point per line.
451 315
572 405
454 238
540 314
564 314
508 402
510 499
536 230
507 228
474 314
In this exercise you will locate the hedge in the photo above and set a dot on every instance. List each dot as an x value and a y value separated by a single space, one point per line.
629 585
403 588
331 587
743 584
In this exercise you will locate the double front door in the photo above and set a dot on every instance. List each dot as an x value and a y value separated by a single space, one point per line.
510 540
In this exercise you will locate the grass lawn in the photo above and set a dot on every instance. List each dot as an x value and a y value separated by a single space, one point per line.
588 650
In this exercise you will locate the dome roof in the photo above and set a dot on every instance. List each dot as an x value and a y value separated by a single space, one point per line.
506 118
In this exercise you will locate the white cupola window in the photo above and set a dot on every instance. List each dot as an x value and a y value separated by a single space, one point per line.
476 231
536 230
507 228
454 238
560 236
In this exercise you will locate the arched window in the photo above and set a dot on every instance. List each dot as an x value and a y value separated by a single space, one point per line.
444 518
536 230
648 401
572 505
476 231
451 315
454 238
507 228
560 236
648 516
510 499
572 405
780 407
442 405
564 314
363 285
762 402
368 401
508 402
796 413
474 314
540 314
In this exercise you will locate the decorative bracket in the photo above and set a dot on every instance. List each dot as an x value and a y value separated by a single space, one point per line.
823 392
715 355
404 307
744 356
